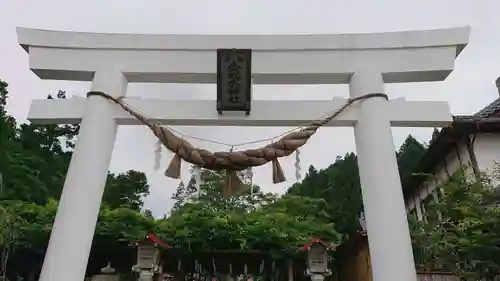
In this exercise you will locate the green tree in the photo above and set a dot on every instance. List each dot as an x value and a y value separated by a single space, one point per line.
251 219
33 163
211 194
126 189
409 154
435 134
35 159
339 185
31 225
148 213
465 238
183 193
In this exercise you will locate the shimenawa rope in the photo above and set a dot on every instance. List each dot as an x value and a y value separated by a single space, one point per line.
232 161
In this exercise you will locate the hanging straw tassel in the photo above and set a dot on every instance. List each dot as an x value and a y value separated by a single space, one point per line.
298 168
174 169
197 179
278 175
249 172
157 153
250 179
233 184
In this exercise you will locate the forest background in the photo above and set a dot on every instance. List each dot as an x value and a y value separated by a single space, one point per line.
326 203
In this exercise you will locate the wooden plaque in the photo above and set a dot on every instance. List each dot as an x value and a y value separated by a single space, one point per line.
234 80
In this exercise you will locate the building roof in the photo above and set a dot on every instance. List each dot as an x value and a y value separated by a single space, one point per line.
490 109
311 242
152 238
493 108
485 120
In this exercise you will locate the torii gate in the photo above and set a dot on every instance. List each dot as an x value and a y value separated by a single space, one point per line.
364 61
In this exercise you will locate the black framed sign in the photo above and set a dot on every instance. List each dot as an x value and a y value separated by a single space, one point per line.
234 80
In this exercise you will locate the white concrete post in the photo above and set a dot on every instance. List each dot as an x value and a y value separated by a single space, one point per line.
71 239
387 226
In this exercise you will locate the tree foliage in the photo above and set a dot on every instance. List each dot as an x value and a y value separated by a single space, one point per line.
203 219
465 240
461 232
33 164
340 187
326 204
126 189
409 154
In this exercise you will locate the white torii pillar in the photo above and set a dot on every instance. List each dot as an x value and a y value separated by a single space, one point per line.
364 61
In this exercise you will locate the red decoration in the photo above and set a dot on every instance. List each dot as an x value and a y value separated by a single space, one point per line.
151 237
307 246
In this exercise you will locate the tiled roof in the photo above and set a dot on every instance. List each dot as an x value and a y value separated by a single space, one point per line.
489 110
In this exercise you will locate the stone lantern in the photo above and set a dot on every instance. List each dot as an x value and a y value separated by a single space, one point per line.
106 274
317 259
148 256
362 222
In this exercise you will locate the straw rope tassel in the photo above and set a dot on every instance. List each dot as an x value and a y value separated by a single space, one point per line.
157 153
197 178
298 168
250 179
233 183
174 169
278 175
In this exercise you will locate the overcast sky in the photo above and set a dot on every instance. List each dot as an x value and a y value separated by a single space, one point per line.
468 89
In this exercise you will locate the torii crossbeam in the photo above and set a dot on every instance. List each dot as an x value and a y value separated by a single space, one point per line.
364 61
402 113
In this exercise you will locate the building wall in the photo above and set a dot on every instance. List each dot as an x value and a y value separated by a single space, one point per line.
427 190
487 151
